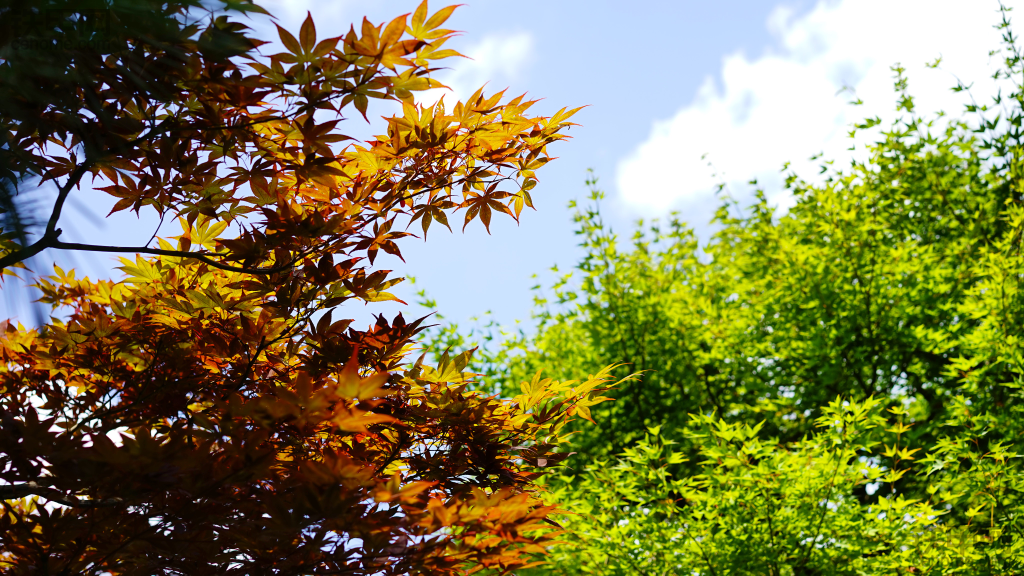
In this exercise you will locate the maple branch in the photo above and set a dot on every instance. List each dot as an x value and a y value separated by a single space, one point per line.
51 233
396 450
62 195
49 239
19 491
201 256
249 365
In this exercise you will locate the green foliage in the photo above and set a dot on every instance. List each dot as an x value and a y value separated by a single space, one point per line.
756 506
834 390
870 285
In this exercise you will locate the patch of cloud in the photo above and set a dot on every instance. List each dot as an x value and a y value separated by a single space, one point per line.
332 18
793 102
498 60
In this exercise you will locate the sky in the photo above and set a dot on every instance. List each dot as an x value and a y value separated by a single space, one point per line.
681 96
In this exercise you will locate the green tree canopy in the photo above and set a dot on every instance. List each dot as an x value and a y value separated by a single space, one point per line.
833 390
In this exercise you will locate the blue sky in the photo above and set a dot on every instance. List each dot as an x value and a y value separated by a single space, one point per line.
752 84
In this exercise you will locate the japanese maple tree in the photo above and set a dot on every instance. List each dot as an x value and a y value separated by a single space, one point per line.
213 411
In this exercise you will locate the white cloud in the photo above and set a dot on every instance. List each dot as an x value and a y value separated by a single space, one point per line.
497 60
786 105
332 18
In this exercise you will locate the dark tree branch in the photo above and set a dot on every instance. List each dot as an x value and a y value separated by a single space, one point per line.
51 233
62 195
51 241
201 256
19 491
